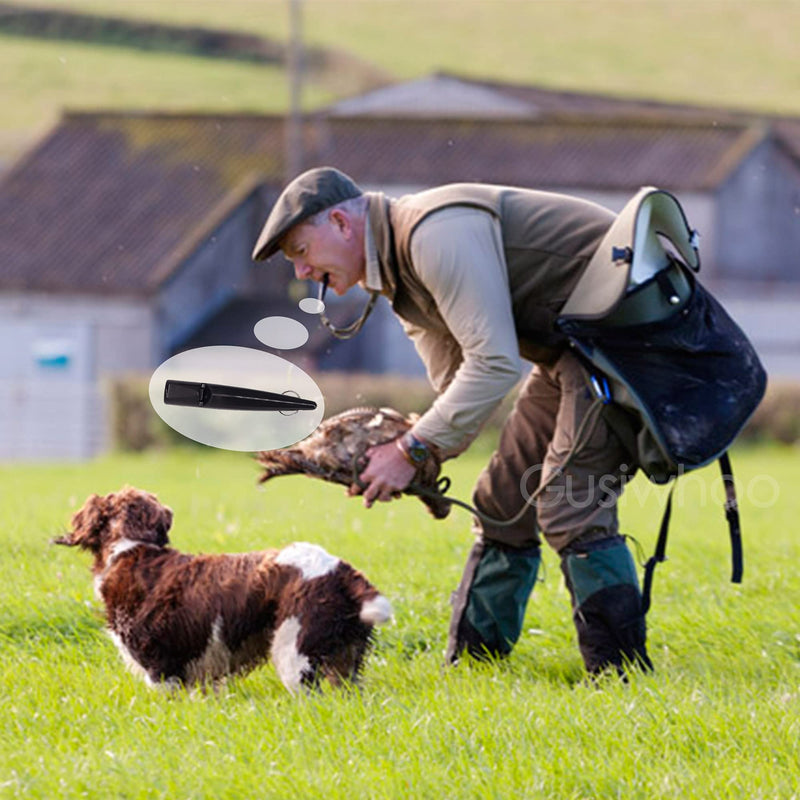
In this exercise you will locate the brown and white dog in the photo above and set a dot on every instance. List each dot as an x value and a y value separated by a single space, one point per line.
181 619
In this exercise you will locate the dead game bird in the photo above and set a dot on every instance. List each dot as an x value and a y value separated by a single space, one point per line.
335 453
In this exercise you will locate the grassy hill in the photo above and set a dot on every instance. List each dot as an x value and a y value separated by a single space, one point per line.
720 52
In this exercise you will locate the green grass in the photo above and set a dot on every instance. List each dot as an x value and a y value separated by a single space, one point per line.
737 53
41 78
719 718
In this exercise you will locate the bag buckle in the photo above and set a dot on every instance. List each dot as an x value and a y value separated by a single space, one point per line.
601 388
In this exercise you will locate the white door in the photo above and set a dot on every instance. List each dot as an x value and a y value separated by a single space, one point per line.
48 396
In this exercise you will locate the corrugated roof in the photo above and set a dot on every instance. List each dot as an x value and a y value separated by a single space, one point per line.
556 101
107 201
548 101
102 200
437 96
475 97
564 153
788 131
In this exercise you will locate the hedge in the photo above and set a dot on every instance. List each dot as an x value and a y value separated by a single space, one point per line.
136 426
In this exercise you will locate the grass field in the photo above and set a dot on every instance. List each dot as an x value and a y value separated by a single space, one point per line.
719 719
44 77
716 51
736 53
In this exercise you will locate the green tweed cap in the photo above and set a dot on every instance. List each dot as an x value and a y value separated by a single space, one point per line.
306 195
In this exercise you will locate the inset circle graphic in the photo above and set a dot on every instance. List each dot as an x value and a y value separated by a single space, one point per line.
248 430
311 305
283 333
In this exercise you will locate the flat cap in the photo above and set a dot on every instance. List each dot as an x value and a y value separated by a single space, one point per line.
306 195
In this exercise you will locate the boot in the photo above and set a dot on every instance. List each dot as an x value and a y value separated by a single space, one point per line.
607 605
489 604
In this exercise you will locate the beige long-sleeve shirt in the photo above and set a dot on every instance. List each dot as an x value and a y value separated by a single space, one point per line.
458 255
477 275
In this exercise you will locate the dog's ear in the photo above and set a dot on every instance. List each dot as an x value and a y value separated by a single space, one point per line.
88 524
143 518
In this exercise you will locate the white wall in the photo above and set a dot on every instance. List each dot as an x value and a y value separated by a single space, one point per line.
759 217
55 352
212 274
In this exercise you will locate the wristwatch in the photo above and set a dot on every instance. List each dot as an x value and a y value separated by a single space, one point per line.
415 450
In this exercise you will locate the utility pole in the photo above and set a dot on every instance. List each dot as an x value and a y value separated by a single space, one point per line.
294 122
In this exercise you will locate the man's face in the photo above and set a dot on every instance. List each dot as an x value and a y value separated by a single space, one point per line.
331 247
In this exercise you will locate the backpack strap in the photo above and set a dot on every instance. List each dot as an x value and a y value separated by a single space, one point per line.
659 555
731 515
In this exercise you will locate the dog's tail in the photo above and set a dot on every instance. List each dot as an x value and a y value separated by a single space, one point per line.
376 610
373 607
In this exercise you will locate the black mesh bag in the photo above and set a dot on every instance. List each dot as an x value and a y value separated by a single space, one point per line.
677 373
690 380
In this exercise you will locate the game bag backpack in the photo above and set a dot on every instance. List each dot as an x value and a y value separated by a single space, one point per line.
664 352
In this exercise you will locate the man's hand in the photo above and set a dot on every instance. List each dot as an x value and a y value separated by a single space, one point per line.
387 473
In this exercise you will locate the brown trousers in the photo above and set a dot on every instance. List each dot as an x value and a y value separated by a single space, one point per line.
536 439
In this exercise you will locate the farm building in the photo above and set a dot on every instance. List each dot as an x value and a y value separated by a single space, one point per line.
125 238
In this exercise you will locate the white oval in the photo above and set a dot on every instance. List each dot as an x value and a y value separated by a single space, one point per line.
283 333
311 305
233 429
